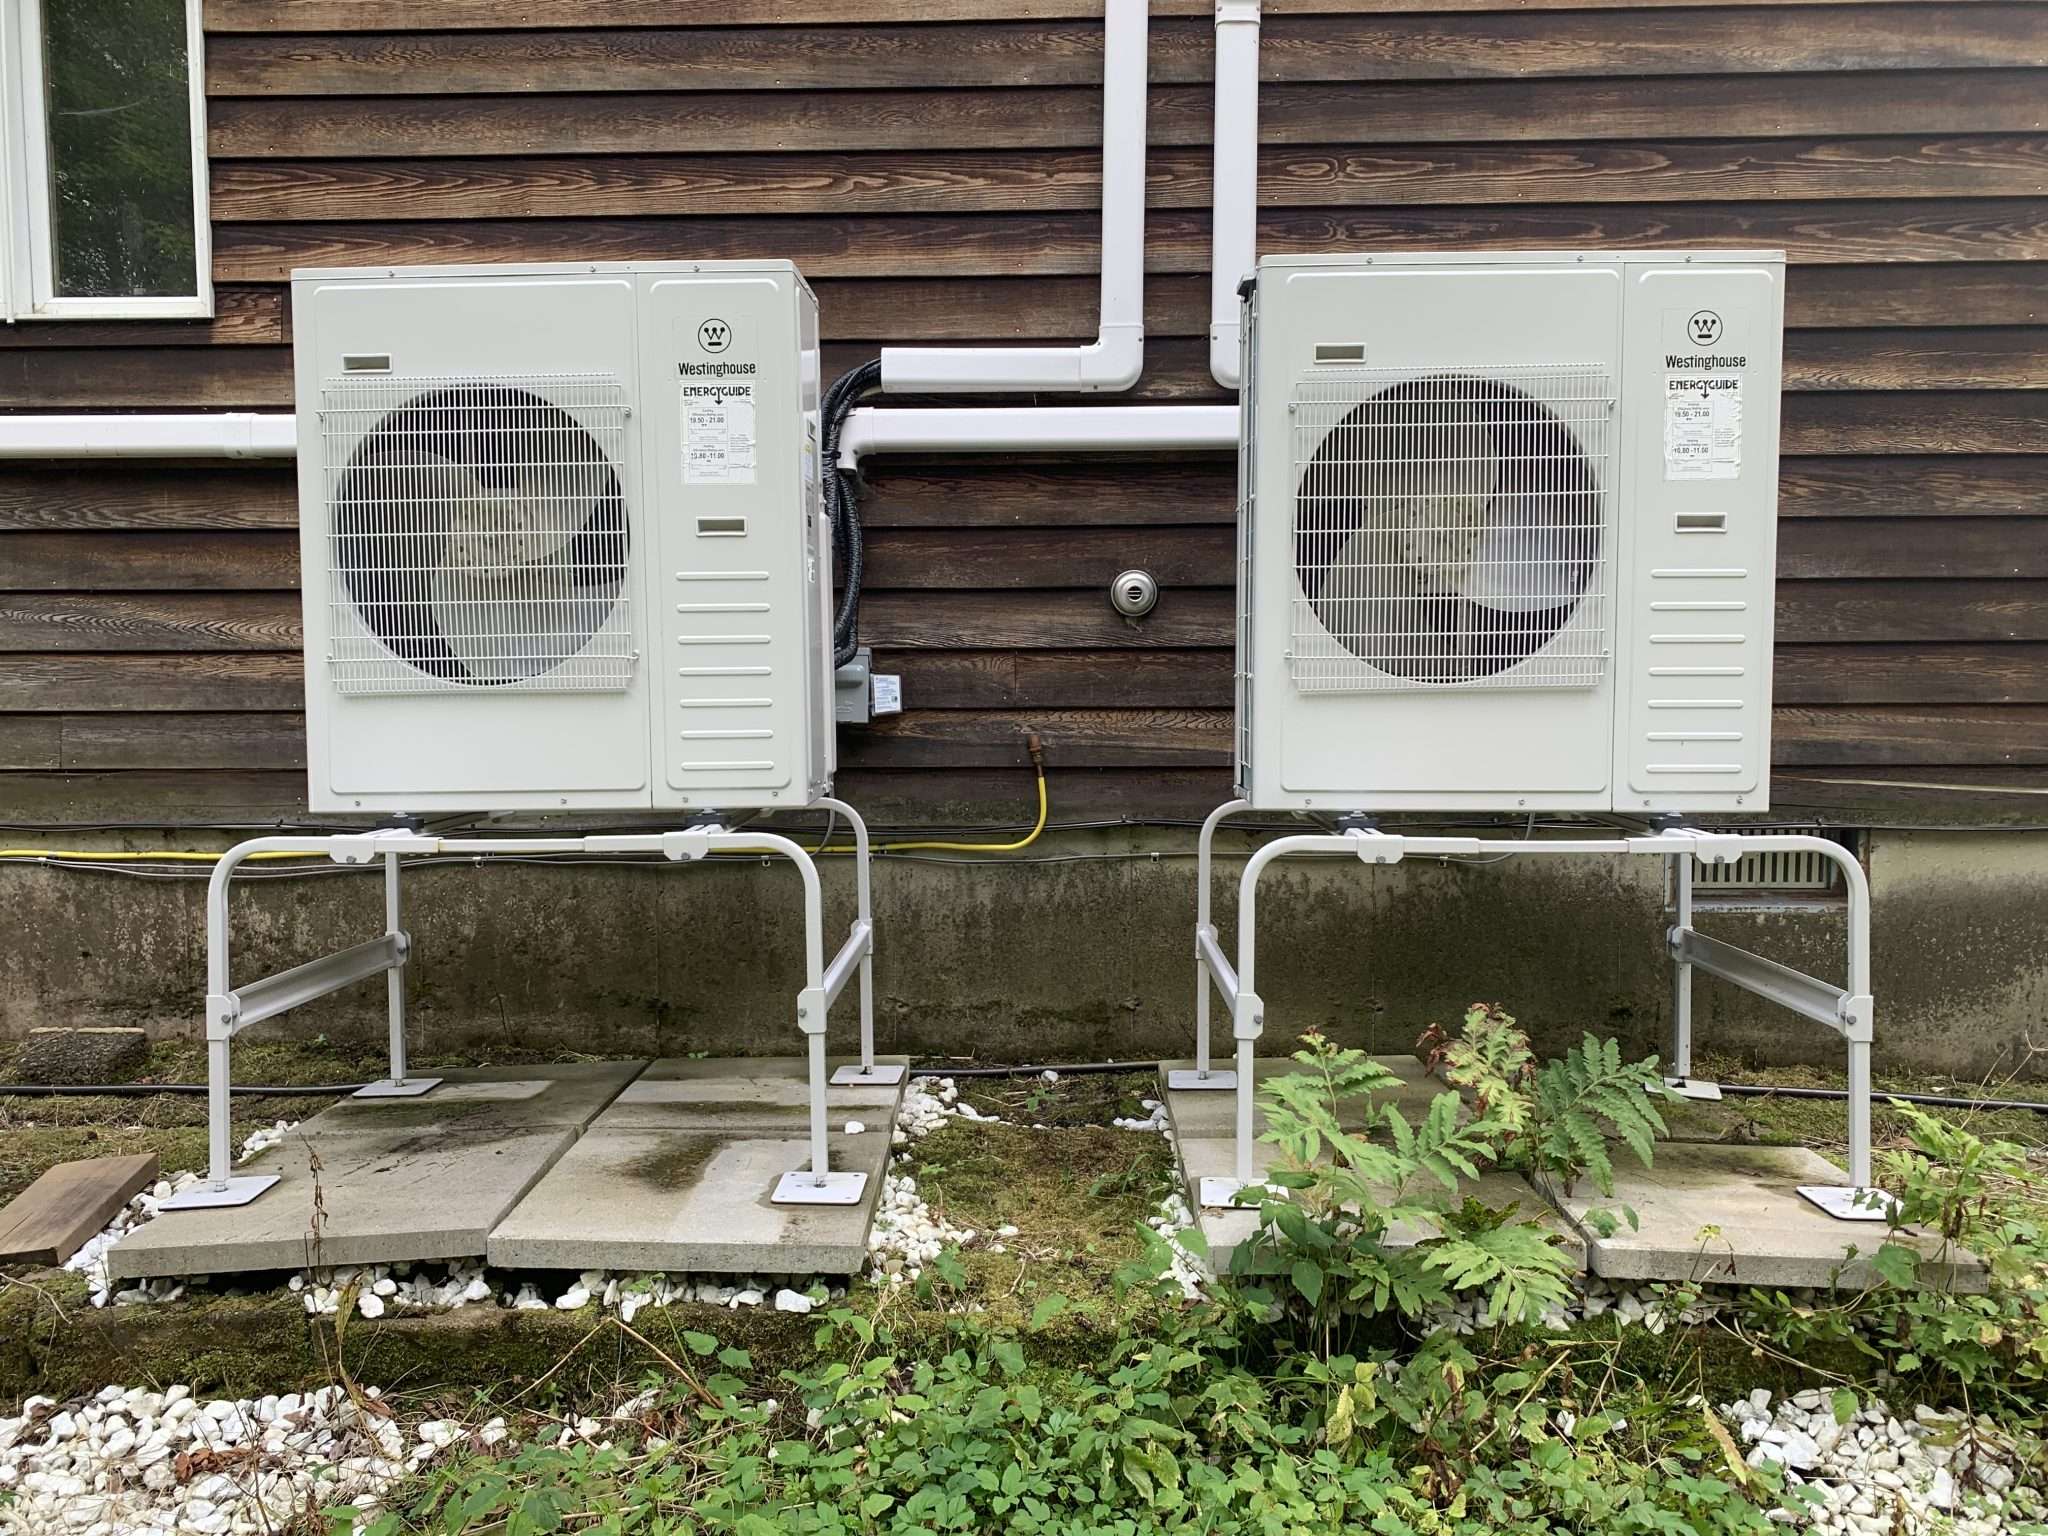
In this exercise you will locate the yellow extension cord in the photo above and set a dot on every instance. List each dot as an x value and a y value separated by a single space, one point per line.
168 855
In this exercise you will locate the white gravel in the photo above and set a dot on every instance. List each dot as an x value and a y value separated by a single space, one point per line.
1187 1271
1877 1475
1156 1119
133 1459
1636 1306
906 1234
91 1260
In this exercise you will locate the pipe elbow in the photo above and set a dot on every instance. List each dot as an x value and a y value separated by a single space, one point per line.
1225 360
1115 359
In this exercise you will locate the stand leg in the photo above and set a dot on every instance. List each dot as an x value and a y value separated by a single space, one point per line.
1247 1023
817 1184
398 1085
220 1187
1680 1079
867 1072
1202 1078
1860 1199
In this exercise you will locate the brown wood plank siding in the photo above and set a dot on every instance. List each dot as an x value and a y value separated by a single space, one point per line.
934 168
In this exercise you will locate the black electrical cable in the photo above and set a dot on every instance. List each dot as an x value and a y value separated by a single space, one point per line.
147 1090
1840 1095
842 506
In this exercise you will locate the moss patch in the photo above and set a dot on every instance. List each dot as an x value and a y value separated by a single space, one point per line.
675 1163
1076 1198
53 1341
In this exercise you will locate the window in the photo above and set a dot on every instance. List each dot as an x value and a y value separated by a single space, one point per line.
104 163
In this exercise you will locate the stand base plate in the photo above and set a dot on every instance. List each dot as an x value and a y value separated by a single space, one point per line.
1694 1088
204 1197
863 1077
805 1188
385 1088
1217 1194
1190 1080
1846 1203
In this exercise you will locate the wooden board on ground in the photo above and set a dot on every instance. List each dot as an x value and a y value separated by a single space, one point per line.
51 1219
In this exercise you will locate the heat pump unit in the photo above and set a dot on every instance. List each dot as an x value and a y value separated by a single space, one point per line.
561 537
1507 531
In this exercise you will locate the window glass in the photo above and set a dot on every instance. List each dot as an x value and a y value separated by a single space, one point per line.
120 134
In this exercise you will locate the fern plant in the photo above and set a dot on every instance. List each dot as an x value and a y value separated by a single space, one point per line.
1559 1115
1490 1059
1579 1097
1355 1224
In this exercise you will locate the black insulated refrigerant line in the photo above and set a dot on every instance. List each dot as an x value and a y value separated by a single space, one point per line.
842 505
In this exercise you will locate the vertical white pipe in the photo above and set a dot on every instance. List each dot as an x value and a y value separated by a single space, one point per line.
1126 79
1234 219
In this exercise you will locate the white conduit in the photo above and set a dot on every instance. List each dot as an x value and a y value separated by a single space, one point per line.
229 435
1234 191
1116 357
1039 429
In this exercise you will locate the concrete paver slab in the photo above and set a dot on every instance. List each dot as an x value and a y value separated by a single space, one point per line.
692 1198
1733 1215
1215 1157
769 1095
564 1096
390 1196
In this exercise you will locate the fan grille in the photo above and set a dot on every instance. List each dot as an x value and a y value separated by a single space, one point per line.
1451 529
477 533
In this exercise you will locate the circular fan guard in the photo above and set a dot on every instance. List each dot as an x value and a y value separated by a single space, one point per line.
481 534
1447 528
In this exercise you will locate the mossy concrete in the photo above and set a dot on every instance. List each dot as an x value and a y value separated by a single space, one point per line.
1731 1215
360 1197
1074 960
691 1201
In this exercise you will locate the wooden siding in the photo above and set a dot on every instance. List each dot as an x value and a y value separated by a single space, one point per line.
934 168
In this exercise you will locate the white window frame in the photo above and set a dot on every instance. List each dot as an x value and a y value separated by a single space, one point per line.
27 259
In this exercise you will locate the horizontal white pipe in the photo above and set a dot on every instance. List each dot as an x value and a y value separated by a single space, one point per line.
963 429
1116 357
1234 191
1038 429
229 435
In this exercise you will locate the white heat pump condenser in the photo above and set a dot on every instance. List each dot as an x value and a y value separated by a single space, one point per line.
1507 532
562 538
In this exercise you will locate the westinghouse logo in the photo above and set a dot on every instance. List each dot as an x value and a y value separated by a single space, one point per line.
1703 362
715 370
714 335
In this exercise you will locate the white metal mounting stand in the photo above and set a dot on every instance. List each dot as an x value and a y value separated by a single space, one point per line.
1845 1010
231 1009
1679 1079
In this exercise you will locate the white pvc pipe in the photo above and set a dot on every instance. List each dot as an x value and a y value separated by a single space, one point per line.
1038 429
1116 357
1234 193
222 435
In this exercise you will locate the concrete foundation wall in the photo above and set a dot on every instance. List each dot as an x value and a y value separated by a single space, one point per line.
1085 958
